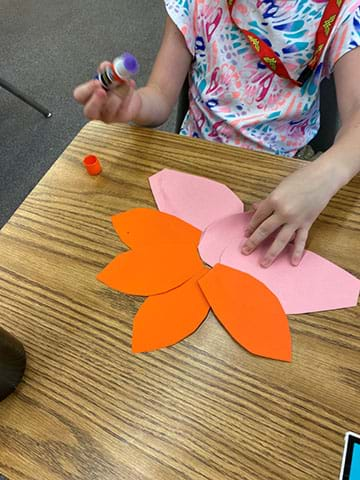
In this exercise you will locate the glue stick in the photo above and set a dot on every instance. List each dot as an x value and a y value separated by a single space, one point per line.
119 72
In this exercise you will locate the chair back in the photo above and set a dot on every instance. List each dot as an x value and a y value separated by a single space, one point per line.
329 117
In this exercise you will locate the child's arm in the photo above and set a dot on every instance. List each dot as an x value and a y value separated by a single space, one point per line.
148 106
299 199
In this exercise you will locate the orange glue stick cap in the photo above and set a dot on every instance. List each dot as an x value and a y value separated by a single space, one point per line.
92 165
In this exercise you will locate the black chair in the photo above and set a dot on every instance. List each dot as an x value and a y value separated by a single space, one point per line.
12 363
182 105
10 88
329 116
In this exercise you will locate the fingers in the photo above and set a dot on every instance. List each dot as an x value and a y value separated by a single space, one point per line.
281 241
286 235
261 233
94 106
299 245
263 211
132 84
100 104
103 65
84 92
110 109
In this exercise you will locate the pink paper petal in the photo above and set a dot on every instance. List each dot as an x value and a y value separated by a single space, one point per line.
314 285
219 234
197 200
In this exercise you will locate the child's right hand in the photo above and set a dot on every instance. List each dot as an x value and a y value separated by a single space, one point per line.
108 106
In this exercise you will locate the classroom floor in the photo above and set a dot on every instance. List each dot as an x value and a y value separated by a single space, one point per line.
47 48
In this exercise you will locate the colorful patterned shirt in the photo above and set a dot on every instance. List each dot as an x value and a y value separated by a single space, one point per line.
234 97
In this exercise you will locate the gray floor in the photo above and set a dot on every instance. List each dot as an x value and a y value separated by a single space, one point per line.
47 48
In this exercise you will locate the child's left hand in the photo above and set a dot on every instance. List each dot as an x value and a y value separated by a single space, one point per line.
291 209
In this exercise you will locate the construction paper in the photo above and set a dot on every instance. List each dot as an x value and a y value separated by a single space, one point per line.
200 216
219 234
152 269
142 226
249 311
168 318
196 200
314 285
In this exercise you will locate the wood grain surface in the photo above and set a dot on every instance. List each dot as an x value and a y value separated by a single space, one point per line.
204 409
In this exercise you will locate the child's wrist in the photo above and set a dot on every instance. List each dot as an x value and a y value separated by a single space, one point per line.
334 169
153 112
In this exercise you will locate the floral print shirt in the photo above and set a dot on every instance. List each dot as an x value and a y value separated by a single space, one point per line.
234 97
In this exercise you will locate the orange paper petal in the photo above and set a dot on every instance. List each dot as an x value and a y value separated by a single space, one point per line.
152 269
168 318
142 226
249 311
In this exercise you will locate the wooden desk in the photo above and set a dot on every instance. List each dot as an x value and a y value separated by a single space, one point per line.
204 409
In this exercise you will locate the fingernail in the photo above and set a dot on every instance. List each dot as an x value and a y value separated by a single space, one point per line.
246 250
296 261
266 263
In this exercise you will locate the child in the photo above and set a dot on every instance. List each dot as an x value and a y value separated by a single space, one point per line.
254 68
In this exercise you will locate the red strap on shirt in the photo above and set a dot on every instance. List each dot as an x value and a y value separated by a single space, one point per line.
273 61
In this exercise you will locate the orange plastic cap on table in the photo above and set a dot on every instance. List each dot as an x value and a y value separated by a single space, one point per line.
92 165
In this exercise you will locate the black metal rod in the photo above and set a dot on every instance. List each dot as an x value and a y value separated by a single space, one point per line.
10 88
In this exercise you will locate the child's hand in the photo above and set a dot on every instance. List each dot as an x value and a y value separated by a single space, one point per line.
108 106
290 209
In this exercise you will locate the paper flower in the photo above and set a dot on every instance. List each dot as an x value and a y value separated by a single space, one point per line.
315 285
202 216
164 265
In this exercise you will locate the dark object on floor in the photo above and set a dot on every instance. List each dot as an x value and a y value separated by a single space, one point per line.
10 88
12 363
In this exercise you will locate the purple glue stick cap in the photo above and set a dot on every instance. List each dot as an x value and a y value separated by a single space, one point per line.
130 63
